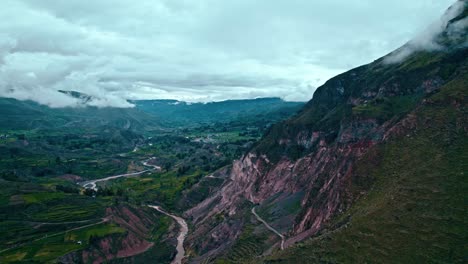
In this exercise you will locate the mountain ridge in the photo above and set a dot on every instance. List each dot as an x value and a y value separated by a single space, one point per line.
309 161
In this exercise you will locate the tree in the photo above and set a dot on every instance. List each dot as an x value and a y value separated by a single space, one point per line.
89 192
167 166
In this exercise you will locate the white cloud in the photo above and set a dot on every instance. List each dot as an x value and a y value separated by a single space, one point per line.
427 40
194 50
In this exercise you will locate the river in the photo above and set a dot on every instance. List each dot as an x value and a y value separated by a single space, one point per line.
181 238
183 225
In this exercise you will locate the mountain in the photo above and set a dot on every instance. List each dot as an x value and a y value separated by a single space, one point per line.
27 115
178 113
372 169
84 98
146 115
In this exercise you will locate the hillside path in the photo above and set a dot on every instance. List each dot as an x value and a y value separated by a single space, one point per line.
269 227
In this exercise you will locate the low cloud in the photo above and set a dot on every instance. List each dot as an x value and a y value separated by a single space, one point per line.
115 50
428 39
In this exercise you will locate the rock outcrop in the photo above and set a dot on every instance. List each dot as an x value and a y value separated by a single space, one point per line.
314 153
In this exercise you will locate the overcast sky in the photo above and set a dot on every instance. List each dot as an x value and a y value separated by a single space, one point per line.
195 50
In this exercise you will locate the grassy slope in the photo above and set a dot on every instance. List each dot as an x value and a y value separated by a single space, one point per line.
416 210
329 107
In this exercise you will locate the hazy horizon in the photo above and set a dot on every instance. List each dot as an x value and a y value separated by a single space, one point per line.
196 52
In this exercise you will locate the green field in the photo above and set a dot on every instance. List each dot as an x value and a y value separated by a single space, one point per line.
49 246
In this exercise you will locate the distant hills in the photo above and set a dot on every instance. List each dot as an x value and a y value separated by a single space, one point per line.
146 115
172 112
30 115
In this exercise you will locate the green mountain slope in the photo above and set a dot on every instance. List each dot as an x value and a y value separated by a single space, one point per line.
26 115
415 211
146 115
371 170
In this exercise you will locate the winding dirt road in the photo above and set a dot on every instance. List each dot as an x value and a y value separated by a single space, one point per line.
180 239
269 227
92 184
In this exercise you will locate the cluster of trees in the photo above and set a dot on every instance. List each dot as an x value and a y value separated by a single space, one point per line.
183 169
93 240
105 192
9 176
191 181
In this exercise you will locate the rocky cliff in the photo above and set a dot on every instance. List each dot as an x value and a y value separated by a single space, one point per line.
303 174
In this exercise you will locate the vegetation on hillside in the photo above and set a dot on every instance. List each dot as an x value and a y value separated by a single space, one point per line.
45 152
415 210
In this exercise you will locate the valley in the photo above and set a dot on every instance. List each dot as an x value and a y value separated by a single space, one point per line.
372 169
82 193
180 238
92 183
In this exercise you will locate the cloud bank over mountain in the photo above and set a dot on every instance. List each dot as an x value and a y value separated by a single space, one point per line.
427 39
114 50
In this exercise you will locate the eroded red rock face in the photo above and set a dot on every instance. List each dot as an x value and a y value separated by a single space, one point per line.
134 241
324 174
129 245
133 245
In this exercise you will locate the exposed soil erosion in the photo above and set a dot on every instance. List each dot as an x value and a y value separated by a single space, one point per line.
321 167
134 241
253 179
104 249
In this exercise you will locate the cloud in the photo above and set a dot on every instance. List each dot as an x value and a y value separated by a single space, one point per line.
192 50
457 31
428 39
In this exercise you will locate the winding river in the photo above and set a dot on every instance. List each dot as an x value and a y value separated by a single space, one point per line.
181 238
183 225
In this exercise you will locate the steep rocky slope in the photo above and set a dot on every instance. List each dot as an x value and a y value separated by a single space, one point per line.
139 242
307 173
415 210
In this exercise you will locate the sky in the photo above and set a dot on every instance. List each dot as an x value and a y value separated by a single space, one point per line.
195 50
